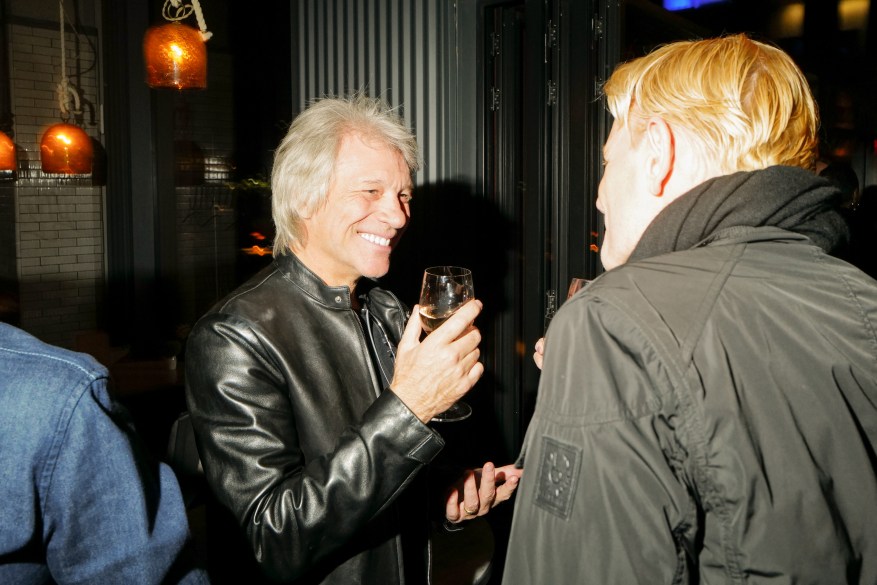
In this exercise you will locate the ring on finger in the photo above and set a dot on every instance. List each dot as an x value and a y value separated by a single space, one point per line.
471 511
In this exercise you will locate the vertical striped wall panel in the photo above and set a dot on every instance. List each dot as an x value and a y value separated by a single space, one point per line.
399 49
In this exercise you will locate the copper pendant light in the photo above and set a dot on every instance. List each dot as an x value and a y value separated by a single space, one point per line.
66 148
175 57
7 154
175 54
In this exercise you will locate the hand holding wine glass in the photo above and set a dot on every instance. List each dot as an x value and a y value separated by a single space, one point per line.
434 371
445 289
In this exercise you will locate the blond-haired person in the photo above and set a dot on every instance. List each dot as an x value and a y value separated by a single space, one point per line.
708 406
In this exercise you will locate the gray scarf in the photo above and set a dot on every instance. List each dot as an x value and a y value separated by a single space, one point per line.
786 197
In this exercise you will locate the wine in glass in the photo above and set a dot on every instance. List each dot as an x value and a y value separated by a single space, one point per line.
445 289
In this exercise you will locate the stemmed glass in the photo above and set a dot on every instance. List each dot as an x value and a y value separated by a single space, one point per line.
575 285
445 289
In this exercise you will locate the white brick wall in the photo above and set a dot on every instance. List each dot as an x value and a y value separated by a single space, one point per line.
57 250
60 259
58 220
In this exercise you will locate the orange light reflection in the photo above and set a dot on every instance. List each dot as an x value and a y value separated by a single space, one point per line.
257 250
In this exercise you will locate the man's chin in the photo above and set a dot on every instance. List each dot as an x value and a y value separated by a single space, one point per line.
376 270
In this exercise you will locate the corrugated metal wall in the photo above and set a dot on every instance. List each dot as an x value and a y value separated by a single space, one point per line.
401 50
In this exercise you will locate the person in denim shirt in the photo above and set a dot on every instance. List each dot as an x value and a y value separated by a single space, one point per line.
81 500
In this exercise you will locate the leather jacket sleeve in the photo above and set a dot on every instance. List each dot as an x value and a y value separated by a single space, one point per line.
296 507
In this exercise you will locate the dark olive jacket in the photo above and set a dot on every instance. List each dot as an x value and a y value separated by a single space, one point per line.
707 415
298 435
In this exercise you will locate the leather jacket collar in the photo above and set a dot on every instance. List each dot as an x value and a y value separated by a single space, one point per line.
333 297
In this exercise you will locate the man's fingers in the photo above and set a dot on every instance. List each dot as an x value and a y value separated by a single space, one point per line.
476 372
413 328
471 499
452 506
505 491
509 477
487 488
539 351
459 322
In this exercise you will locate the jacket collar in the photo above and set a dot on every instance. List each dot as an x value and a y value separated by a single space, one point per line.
784 197
334 297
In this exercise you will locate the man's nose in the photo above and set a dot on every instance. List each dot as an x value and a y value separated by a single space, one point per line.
394 211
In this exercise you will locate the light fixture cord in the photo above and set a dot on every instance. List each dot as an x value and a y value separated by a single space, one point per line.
182 11
66 92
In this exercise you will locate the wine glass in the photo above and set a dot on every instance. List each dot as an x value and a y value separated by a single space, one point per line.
445 289
575 285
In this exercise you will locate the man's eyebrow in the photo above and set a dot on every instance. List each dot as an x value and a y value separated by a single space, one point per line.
377 181
368 181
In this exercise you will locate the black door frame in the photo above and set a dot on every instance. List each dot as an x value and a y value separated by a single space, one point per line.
542 130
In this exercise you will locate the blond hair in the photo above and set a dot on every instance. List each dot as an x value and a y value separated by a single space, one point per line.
746 103
304 163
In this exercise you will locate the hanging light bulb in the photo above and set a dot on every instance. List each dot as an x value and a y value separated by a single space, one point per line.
175 53
66 148
7 153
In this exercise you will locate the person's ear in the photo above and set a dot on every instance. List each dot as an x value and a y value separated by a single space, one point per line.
662 150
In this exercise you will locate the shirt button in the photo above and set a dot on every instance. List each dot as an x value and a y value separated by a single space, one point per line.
338 299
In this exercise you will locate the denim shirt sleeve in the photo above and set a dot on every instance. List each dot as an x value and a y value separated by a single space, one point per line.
110 514
82 501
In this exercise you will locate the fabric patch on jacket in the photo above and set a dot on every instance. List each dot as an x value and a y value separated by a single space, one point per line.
558 472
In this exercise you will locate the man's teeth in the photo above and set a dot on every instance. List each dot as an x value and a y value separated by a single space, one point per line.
376 239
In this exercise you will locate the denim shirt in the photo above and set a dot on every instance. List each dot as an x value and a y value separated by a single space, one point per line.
80 500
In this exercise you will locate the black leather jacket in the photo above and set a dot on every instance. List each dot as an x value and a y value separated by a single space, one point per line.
299 438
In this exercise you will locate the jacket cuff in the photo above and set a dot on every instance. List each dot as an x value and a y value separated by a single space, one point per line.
393 419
